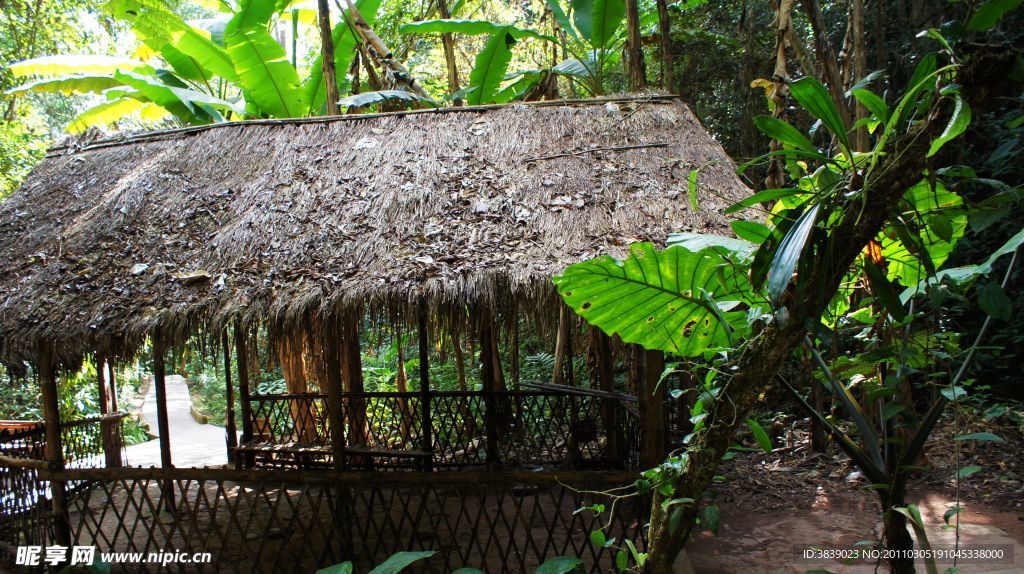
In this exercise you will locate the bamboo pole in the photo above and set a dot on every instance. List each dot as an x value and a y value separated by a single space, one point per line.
231 429
54 450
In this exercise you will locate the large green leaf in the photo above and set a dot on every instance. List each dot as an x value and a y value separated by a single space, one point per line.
783 132
989 14
72 64
559 565
70 84
160 27
675 300
940 224
490 67
188 105
269 80
109 113
598 20
790 249
815 98
563 20
367 98
958 123
344 49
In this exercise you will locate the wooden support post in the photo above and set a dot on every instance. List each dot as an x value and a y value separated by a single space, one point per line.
560 344
231 428
162 421
54 446
242 358
335 410
101 384
112 377
514 348
426 424
652 407
490 398
352 379
610 407
113 440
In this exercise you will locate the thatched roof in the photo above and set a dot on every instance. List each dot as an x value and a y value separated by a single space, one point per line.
279 219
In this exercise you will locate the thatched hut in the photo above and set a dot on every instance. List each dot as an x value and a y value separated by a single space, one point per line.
447 220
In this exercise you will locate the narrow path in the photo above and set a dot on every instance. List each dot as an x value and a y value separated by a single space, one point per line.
192 444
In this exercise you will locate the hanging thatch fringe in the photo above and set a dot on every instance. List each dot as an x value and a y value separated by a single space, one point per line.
282 222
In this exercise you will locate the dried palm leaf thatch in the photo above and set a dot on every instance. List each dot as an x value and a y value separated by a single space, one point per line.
279 221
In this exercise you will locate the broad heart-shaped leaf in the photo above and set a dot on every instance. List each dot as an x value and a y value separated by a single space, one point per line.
674 300
490 67
313 87
159 27
268 78
399 560
69 84
73 64
815 98
922 205
605 18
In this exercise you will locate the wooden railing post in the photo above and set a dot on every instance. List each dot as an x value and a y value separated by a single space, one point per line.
101 383
162 420
54 446
489 384
652 407
335 410
242 357
426 424
113 439
609 406
230 427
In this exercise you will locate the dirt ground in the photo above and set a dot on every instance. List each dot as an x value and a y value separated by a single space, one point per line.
774 506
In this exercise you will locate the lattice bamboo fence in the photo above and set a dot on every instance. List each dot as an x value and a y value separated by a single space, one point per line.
291 521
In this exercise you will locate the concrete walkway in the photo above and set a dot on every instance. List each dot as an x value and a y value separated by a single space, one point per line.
192 444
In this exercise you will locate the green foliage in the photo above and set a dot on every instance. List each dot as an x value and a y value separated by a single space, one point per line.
675 300
268 79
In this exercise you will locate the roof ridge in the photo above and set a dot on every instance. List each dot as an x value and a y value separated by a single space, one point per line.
158 135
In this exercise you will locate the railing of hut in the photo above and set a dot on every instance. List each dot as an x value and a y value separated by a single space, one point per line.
578 428
26 514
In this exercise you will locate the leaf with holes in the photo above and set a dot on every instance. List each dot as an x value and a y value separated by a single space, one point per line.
675 300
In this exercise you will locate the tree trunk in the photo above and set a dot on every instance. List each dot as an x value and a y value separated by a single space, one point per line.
635 52
449 54
327 56
668 80
894 528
